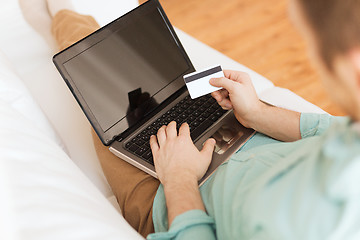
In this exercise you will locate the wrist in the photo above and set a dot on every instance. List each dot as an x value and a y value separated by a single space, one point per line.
182 194
252 119
180 178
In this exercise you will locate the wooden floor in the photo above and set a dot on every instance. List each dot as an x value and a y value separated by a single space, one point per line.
256 33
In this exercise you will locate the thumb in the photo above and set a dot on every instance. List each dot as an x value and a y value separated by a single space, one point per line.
208 147
222 82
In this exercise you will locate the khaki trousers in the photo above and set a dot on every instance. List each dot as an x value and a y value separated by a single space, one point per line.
134 189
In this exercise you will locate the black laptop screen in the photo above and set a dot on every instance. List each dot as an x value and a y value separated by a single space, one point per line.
121 76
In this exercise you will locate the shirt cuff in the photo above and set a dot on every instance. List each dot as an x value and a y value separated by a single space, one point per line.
183 222
312 124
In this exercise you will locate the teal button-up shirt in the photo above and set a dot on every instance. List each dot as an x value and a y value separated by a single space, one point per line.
309 189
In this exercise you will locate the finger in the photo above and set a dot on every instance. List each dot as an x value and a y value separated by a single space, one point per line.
154 145
171 130
220 95
208 147
236 75
184 130
161 136
217 95
223 82
224 93
226 104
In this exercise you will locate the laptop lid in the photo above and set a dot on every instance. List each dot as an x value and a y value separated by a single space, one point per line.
122 73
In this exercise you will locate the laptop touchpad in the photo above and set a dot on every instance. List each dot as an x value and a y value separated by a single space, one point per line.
225 137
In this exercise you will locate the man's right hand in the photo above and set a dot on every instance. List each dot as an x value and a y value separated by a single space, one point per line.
239 94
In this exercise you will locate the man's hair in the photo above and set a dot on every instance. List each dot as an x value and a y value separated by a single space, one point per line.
335 24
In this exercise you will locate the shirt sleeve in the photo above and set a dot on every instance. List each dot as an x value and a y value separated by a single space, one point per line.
312 124
194 224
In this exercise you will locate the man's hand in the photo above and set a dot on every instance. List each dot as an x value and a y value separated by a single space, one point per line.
176 157
179 166
238 94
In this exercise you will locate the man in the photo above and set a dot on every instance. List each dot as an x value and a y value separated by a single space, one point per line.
299 190
300 182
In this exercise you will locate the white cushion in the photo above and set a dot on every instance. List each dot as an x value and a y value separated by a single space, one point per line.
7 218
104 11
285 98
31 57
46 196
13 91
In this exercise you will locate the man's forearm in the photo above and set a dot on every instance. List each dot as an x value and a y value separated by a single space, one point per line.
278 123
181 196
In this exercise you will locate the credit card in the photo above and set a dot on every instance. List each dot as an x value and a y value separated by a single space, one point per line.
198 84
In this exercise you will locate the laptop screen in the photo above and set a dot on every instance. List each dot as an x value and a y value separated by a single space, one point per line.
129 73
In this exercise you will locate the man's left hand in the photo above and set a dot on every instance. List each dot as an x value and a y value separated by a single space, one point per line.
176 157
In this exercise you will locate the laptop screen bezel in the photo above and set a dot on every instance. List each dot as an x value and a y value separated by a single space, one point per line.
109 135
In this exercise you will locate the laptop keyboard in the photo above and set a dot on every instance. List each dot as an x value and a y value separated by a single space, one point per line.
199 113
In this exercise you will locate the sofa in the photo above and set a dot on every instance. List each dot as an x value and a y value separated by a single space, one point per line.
52 185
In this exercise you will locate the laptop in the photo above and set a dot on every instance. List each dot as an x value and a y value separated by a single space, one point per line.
128 79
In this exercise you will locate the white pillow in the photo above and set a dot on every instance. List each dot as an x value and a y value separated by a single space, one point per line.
13 91
44 195
31 57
